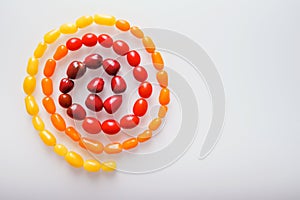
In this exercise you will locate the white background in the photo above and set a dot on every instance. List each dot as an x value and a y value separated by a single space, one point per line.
255 46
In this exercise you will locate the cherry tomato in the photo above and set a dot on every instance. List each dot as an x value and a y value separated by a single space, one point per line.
145 89
120 47
89 39
129 121
91 125
65 100
105 40
133 58
110 127
140 74
74 44
140 107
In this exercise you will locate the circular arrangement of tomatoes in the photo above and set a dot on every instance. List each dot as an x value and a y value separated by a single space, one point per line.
94 101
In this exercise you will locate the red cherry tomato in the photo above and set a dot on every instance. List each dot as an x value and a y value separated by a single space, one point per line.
91 125
76 70
118 84
129 121
110 127
65 100
96 85
89 39
74 44
105 40
94 103
133 58
145 89
76 111
140 107
112 104
111 66
120 47
93 61
66 85
140 74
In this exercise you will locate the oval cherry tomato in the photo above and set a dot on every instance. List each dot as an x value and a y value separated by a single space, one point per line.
140 74
89 39
74 44
91 125
145 89
140 107
110 127
133 58
129 121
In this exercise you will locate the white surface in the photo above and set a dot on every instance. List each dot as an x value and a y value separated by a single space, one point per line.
255 46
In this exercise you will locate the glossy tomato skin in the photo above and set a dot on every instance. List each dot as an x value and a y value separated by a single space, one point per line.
65 100
93 61
145 89
76 111
66 85
76 70
96 85
94 103
105 40
129 121
118 84
74 44
110 127
111 66
133 58
140 107
120 47
112 104
140 74
89 39
91 125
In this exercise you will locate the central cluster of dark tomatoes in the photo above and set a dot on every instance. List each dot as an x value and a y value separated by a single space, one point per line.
94 102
